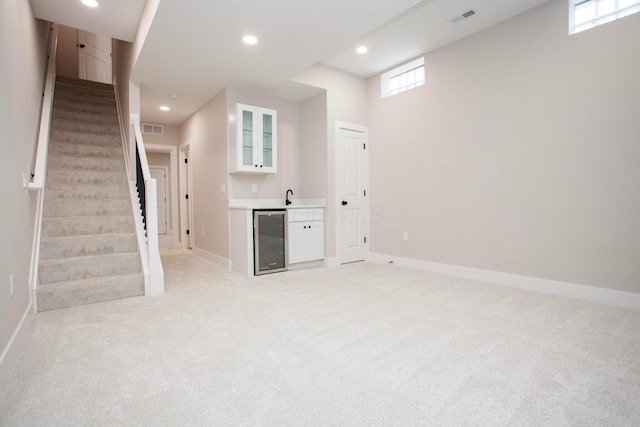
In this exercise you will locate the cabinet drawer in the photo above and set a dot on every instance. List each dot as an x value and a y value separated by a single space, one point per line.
305 214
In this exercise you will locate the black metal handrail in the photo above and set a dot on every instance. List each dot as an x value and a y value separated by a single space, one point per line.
141 188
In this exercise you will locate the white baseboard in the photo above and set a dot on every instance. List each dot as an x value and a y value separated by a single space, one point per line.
10 353
306 264
212 258
565 289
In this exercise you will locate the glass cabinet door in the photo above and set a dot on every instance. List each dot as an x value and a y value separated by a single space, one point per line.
267 140
247 138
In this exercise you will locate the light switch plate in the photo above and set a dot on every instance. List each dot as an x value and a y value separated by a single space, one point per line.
254 188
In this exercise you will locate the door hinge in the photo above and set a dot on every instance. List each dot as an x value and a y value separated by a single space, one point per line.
365 193
186 160
364 146
186 196
187 231
365 239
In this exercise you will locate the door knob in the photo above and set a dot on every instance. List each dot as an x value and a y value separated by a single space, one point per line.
81 46
344 203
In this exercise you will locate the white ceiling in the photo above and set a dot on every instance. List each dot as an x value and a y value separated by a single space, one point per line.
115 18
194 47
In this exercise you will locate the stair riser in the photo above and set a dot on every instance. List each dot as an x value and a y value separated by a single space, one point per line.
62 207
57 148
84 177
85 99
85 137
51 248
85 163
88 192
52 297
55 227
84 108
84 90
80 268
80 126
85 117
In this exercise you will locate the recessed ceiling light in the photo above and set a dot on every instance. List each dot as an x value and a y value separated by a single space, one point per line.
90 3
165 108
173 95
250 39
362 49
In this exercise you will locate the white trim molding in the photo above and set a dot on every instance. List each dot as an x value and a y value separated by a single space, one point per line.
212 258
10 353
571 290
174 172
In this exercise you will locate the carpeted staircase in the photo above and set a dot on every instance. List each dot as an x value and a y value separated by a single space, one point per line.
88 248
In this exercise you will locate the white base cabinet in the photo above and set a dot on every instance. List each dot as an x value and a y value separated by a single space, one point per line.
306 234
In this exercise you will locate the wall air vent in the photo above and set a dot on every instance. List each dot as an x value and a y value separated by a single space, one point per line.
465 15
152 129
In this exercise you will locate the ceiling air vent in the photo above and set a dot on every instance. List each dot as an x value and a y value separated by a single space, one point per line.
462 16
153 129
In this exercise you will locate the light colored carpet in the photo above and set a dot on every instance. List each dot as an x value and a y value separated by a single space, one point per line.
359 345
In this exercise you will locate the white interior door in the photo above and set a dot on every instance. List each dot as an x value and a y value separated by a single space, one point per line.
94 57
352 173
159 173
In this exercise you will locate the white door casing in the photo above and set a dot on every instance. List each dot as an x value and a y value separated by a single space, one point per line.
352 177
160 173
94 52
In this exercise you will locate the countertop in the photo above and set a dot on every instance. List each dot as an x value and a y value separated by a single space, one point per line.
275 203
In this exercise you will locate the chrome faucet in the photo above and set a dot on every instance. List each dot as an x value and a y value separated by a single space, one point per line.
287 201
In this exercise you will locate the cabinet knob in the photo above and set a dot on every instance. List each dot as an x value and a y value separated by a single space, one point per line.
255 166
344 203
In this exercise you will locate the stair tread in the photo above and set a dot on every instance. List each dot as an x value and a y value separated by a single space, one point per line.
86 217
86 236
90 280
86 258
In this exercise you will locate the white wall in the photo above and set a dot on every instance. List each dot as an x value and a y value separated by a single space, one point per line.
67 59
206 129
519 155
313 146
271 186
346 99
122 63
21 85
171 136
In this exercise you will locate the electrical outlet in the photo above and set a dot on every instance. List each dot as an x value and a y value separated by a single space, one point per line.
203 232
223 189
11 284
405 235
254 188
25 181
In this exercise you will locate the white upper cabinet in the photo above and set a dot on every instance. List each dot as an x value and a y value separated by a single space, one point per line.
253 136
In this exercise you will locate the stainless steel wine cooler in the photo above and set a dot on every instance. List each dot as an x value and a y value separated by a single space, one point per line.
269 241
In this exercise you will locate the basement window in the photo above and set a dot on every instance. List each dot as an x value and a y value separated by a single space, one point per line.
586 14
403 78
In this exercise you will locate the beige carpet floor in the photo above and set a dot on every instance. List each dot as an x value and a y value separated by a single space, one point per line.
360 345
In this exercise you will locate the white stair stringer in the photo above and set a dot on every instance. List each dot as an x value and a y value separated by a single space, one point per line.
90 249
141 234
